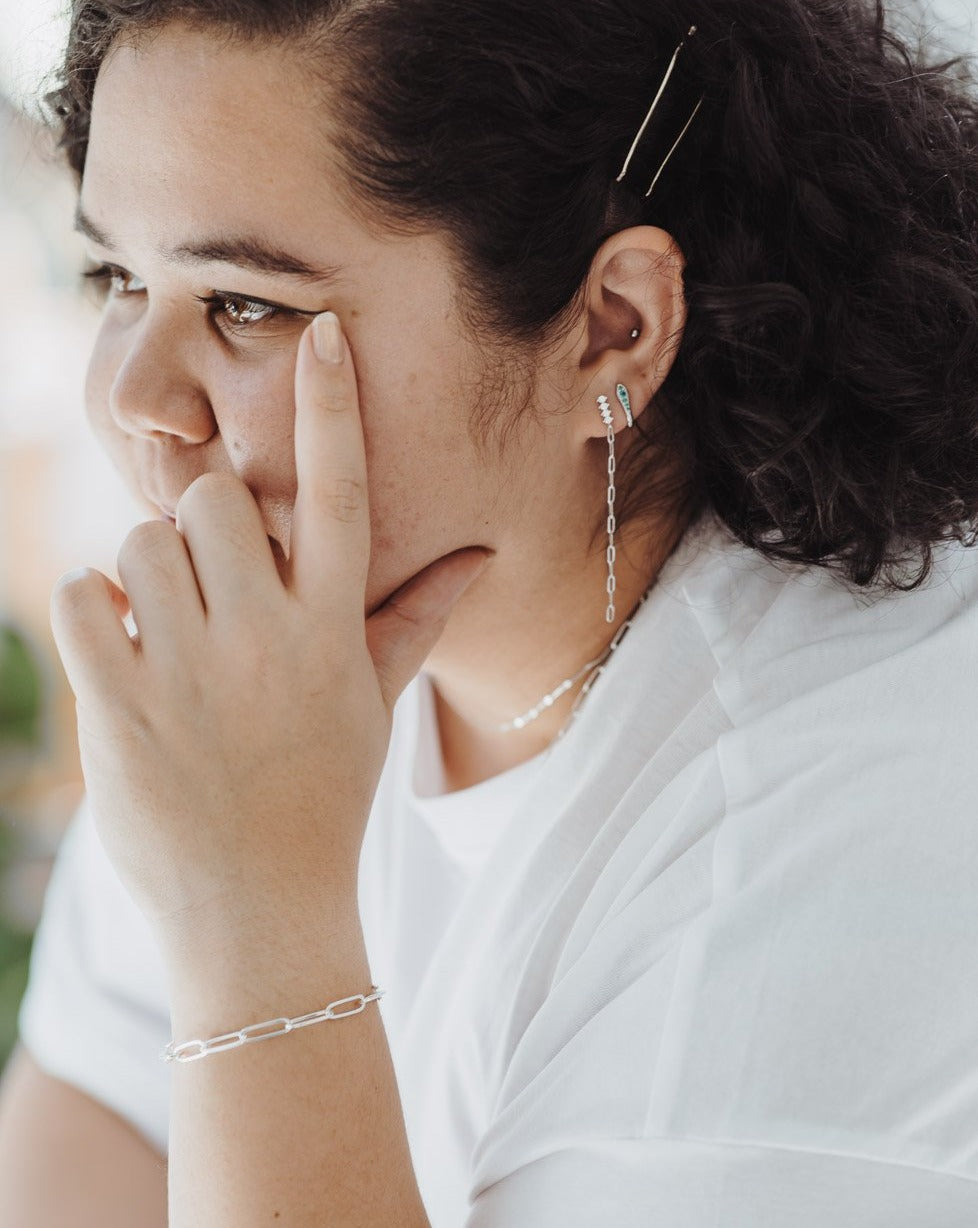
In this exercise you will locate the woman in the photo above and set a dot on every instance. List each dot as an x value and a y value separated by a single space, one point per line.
602 539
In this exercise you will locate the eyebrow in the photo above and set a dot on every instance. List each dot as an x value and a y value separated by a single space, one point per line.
243 251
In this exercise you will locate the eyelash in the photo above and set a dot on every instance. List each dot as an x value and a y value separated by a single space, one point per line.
107 278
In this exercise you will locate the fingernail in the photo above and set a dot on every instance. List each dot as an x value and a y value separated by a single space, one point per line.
327 338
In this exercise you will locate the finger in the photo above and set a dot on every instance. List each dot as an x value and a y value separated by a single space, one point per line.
155 569
330 547
95 648
227 544
405 629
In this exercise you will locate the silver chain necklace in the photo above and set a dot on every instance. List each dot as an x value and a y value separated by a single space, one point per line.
596 667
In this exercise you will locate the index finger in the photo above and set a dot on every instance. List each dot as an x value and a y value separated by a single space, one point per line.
330 540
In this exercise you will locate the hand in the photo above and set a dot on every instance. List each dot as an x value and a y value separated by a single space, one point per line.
232 748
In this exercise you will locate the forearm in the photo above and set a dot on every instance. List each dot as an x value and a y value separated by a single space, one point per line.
65 1158
302 1129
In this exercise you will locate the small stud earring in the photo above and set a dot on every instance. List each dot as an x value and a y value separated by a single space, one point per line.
635 333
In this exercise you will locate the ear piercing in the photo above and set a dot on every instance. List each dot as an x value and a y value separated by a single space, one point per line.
621 392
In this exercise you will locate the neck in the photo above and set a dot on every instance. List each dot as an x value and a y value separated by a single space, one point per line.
497 659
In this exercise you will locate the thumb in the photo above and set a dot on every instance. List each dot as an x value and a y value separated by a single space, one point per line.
402 633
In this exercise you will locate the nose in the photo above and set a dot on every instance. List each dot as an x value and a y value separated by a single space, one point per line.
156 392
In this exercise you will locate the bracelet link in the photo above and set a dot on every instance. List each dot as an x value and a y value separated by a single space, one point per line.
361 1006
194 1050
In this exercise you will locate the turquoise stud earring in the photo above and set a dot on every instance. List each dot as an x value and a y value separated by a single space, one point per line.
625 401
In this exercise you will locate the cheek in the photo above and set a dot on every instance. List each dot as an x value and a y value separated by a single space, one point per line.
254 407
420 482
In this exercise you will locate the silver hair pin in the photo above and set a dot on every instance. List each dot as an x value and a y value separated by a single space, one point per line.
645 123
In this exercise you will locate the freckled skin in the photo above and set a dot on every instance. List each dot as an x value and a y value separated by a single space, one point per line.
172 398
172 393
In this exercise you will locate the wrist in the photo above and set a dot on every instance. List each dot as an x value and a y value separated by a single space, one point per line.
223 978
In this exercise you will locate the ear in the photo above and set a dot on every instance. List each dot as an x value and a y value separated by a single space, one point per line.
635 283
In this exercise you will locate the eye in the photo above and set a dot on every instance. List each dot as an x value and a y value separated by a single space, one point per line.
232 312
242 311
110 279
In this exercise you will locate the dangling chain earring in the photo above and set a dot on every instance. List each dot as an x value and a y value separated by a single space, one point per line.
593 669
607 417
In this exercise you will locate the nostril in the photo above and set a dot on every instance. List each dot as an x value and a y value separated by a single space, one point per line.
155 395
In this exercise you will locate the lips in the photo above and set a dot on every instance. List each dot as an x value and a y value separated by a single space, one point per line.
165 507
165 511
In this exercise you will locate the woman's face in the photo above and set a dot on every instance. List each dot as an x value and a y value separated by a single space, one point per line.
209 193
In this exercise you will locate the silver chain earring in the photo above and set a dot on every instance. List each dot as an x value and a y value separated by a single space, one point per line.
593 669
607 417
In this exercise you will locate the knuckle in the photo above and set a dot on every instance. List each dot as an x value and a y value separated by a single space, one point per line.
148 550
210 490
345 498
335 402
406 613
73 591
145 543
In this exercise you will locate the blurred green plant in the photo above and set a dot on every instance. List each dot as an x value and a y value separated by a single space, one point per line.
21 734
21 698
15 956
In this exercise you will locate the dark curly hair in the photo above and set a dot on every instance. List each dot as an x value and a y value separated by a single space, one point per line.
824 398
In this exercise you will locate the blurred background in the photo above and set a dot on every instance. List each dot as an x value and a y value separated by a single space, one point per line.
61 505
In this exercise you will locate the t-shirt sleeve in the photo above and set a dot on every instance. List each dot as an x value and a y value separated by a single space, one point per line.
656 1092
95 1013
694 1183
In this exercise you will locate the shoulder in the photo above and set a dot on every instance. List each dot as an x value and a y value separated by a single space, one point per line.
849 752
785 946
816 677
779 631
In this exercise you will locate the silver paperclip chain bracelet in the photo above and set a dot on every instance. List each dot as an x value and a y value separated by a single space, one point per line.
192 1050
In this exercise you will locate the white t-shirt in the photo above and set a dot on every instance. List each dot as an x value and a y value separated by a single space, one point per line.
710 960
